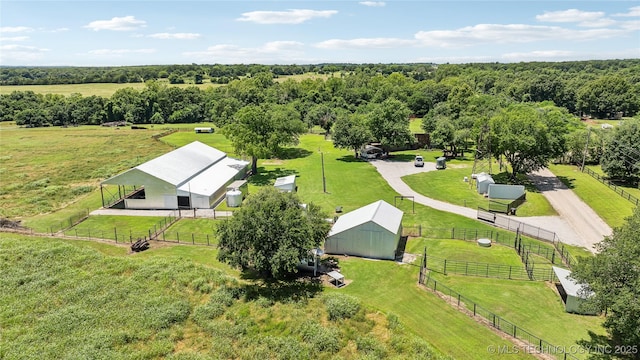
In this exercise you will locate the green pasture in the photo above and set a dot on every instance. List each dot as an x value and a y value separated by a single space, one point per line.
391 287
125 228
449 185
460 250
192 231
610 206
69 299
532 305
350 183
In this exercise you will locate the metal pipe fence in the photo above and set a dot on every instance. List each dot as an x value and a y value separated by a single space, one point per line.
618 189
536 344
488 270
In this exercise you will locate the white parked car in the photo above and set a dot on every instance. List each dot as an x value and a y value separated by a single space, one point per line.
419 161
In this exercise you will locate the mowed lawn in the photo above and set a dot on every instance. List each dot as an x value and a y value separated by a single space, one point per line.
449 185
611 207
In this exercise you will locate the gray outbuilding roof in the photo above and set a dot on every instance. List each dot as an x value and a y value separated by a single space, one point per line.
379 212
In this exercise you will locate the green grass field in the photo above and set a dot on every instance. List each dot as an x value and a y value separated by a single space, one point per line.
611 207
98 89
448 185
380 285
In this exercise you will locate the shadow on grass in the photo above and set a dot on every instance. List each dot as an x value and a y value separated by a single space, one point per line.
568 182
293 153
350 158
295 288
267 177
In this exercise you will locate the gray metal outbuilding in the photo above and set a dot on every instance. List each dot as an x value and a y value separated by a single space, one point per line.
193 176
372 231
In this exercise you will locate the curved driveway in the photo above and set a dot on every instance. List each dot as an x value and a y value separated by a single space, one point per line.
567 231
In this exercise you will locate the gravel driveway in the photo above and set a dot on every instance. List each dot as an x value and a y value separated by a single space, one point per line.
575 230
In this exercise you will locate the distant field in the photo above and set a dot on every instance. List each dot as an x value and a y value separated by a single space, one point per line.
104 90
107 89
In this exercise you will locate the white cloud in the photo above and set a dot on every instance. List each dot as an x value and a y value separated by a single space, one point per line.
59 30
179 36
14 38
604 22
365 43
292 16
633 12
538 55
126 23
21 53
119 52
274 51
373 3
15 29
512 33
571 15
630 25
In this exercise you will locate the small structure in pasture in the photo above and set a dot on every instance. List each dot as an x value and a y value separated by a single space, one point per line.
372 231
203 130
570 291
483 181
337 278
441 163
503 191
286 183
193 176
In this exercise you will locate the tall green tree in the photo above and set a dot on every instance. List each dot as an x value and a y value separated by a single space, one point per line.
389 123
271 233
351 132
613 276
621 156
260 131
527 136
607 95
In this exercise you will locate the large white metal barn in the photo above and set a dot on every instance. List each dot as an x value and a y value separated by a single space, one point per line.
193 176
372 231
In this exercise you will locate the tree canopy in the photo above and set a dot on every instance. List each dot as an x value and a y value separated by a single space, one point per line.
621 155
528 136
613 275
260 131
271 233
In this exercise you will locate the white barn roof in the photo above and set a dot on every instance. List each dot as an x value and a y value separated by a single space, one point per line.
571 287
194 168
179 165
379 212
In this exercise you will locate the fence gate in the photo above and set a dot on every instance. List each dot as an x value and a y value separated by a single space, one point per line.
486 215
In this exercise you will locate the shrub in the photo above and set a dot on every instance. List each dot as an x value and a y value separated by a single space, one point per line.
370 346
320 337
340 306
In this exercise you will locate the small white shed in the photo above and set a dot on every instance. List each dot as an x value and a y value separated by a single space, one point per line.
569 290
286 183
483 181
372 231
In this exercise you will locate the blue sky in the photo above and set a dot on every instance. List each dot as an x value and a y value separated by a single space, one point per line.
106 33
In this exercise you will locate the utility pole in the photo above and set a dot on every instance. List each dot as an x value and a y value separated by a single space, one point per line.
324 182
586 148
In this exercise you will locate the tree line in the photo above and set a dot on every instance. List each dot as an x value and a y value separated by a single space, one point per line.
527 112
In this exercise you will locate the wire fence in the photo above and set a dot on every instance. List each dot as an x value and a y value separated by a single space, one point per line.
618 189
487 270
535 232
69 222
489 318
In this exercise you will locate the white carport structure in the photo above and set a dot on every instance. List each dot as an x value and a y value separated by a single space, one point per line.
193 176
570 291
372 231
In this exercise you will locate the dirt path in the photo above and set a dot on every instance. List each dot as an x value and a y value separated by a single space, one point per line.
584 221
393 171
